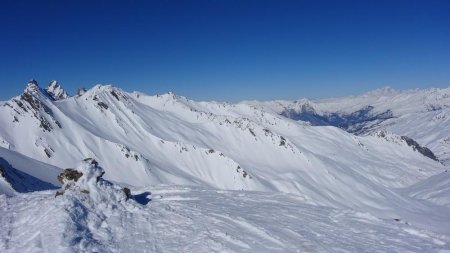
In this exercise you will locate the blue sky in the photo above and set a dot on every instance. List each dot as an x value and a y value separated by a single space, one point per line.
226 50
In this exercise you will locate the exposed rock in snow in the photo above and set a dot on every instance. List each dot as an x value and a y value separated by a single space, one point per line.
32 86
87 178
168 139
297 187
55 90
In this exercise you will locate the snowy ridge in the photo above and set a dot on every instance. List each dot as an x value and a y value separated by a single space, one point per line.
422 115
211 149
169 139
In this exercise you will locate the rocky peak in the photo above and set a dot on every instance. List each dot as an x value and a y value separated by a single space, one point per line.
32 86
55 91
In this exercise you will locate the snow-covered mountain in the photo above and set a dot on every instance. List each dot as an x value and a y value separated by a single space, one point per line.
422 115
142 141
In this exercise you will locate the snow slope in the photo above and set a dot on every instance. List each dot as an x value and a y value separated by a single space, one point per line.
221 177
422 115
191 219
435 189
144 140
23 174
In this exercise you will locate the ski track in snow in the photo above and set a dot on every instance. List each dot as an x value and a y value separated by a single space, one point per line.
191 219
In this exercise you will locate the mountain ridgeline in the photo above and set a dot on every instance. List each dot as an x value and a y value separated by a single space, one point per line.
133 170
421 116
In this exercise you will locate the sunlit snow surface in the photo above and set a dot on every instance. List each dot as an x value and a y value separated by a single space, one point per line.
187 219
258 181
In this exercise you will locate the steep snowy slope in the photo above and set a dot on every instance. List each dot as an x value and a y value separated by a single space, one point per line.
19 173
145 140
422 115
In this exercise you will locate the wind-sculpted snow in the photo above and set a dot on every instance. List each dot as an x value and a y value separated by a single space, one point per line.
191 219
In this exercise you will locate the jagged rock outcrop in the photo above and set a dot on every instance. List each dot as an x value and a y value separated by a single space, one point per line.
55 91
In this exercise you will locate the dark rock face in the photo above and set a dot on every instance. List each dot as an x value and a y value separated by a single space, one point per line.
115 95
423 150
29 103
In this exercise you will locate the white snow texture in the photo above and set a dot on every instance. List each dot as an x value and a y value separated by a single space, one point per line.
218 177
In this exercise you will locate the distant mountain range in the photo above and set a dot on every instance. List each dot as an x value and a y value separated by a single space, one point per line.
423 115
384 152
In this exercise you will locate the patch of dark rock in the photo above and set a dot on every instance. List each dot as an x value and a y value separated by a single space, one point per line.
103 105
282 141
48 152
416 147
127 192
21 105
69 175
45 125
115 95
34 103
2 171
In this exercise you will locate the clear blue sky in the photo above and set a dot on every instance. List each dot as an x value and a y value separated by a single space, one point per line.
226 50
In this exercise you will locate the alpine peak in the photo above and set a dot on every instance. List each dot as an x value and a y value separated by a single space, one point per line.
32 86
55 91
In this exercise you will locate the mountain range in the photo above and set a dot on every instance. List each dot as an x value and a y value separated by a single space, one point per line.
379 158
